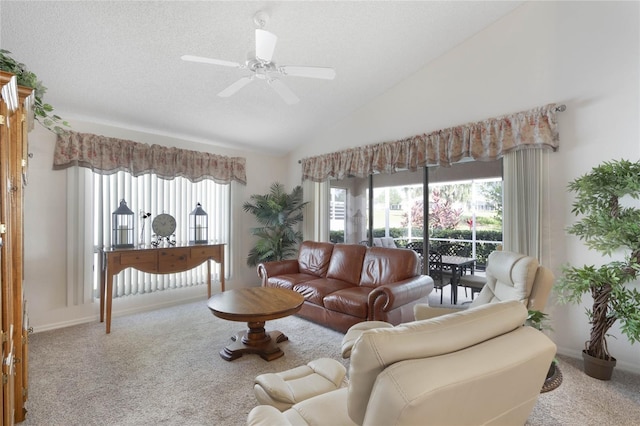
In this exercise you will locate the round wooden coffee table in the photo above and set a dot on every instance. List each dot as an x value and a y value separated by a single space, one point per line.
255 306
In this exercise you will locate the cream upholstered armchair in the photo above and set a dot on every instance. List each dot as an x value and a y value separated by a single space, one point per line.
509 276
415 373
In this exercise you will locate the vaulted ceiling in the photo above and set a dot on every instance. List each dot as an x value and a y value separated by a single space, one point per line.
118 62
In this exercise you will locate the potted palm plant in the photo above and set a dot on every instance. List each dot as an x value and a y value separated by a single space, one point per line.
608 223
278 213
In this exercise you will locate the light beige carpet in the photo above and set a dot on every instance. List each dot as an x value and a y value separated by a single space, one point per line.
160 367
163 368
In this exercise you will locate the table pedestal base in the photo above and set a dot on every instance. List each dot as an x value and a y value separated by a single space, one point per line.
255 340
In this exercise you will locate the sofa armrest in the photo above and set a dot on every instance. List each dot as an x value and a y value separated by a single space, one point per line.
266 415
391 296
280 267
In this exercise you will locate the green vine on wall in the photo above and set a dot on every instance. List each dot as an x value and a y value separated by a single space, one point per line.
43 111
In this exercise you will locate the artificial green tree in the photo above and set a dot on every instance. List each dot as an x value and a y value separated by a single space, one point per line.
609 223
278 212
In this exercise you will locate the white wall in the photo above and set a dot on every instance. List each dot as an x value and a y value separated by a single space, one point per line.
45 230
582 54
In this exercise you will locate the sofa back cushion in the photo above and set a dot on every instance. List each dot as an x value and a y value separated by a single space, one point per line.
314 257
388 265
346 262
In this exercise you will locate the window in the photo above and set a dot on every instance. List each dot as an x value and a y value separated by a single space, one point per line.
465 206
94 197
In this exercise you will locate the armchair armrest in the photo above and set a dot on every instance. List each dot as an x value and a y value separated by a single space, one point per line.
266 415
270 269
354 333
390 296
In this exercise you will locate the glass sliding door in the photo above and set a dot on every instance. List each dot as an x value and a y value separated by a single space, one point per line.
464 206
397 208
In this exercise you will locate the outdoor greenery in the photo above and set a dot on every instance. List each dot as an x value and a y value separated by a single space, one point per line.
452 215
399 235
444 215
608 223
492 192
43 111
278 213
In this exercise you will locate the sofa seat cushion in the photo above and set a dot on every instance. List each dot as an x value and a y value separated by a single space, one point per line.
288 281
316 290
352 301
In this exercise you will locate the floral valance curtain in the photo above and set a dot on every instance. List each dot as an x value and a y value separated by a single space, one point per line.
485 140
109 155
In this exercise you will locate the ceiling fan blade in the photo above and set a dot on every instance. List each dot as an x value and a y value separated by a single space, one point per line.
265 45
311 72
285 93
191 58
235 87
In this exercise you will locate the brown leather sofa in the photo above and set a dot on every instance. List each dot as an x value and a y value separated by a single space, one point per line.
344 284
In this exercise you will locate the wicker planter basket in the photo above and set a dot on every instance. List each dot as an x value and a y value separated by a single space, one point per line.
554 378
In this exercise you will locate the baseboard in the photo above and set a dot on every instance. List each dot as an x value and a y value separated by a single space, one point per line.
63 324
118 313
620 365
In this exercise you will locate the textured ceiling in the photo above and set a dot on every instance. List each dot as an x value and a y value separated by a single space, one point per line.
118 62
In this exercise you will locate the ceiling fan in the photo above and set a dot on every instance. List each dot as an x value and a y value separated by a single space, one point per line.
263 68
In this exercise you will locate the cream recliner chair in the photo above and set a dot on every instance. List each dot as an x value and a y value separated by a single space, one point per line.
510 276
423 372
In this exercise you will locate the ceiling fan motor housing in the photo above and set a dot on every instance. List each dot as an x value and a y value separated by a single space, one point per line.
260 68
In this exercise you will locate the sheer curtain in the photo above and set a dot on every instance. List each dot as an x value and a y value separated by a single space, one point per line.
526 203
316 218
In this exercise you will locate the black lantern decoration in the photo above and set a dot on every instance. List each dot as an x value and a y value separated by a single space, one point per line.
198 226
122 221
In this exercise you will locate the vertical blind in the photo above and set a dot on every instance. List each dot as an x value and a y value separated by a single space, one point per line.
151 194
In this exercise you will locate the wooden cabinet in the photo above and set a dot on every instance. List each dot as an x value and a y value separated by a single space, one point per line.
16 115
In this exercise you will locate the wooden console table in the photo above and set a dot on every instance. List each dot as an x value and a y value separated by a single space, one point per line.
161 260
